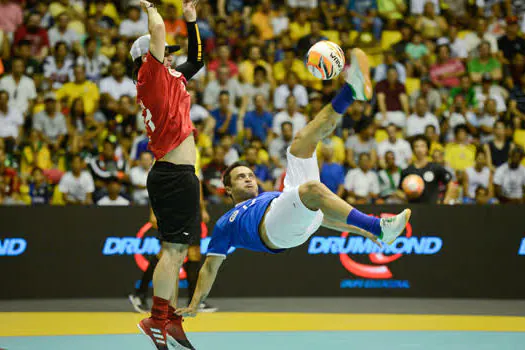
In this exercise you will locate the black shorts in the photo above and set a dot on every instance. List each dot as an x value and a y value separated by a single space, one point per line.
174 193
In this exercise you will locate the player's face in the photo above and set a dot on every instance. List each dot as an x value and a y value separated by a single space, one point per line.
420 149
168 60
244 184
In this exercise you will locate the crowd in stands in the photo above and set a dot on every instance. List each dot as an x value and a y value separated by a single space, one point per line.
71 131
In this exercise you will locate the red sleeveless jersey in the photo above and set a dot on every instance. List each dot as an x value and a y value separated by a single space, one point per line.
161 92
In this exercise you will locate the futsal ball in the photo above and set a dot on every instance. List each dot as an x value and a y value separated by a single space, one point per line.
413 185
325 60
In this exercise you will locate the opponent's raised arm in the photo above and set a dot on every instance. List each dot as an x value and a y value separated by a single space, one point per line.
156 29
195 58
206 279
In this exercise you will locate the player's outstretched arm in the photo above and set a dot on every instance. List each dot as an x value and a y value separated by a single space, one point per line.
195 58
344 227
156 29
206 279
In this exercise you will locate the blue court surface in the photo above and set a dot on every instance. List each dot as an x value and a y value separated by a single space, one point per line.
369 340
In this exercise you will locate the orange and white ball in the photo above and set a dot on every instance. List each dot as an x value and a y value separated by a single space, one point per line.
325 60
413 185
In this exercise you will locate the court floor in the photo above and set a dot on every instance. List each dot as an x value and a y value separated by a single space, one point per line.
288 330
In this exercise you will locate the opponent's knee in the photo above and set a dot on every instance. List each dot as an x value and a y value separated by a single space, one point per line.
312 194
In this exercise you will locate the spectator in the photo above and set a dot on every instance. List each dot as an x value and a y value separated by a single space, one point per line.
113 198
225 118
305 43
458 114
247 67
417 7
460 155
200 114
21 88
300 27
258 122
224 82
400 148
399 48
391 10
427 91
291 87
361 183
50 123
466 91
511 43
12 16
332 174
32 31
487 91
212 185
133 26
11 121
484 64
483 197
389 179
421 118
261 171
223 59
362 142
39 190
58 67
380 72
434 174
290 63
477 176
118 84
104 17
280 21
290 114
474 39
365 11
416 52
516 100
499 148
432 135
431 25
231 154
509 179
35 154
514 71
392 101
107 165
60 32
22 51
484 124
175 26
261 20
446 71
260 86
279 145
458 47
138 177
80 87
9 180
95 65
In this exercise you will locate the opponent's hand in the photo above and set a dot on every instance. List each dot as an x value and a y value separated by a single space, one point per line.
144 5
186 312
205 215
189 10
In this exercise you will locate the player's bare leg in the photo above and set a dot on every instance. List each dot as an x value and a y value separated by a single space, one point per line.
166 275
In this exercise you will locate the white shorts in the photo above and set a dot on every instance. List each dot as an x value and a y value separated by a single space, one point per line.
289 223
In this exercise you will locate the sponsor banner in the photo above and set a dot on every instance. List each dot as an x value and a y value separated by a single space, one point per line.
464 251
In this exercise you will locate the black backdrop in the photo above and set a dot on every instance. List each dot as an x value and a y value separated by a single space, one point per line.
63 258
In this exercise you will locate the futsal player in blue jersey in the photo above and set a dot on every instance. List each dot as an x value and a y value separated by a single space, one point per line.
272 222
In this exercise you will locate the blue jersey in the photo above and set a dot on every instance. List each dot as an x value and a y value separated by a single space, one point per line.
239 227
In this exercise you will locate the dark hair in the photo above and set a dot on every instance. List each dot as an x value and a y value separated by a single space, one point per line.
430 126
224 92
4 92
259 69
480 150
249 147
24 42
500 121
88 41
75 156
460 127
35 169
59 43
226 176
286 123
364 154
420 138
137 63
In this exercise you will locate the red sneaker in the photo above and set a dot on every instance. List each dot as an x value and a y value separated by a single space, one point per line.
156 332
175 333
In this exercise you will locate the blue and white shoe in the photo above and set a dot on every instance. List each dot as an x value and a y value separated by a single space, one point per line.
358 76
394 226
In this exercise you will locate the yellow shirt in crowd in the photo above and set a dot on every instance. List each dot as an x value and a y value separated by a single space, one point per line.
297 31
338 146
247 67
88 91
261 21
460 157
41 158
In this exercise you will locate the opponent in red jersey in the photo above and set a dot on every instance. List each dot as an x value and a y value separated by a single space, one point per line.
173 187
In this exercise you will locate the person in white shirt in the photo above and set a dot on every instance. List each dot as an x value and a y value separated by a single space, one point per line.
400 147
77 186
418 121
200 114
290 114
417 6
231 153
260 86
58 68
138 177
134 26
113 198
484 121
473 39
280 21
224 82
11 120
60 32
389 179
96 65
118 84
457 46
362 183
291 88
50 123
21 88
310 4
278 147
493 91
509 179
478 176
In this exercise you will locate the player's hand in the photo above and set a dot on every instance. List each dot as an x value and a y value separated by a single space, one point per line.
144 5
189 10
205 216
186 312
